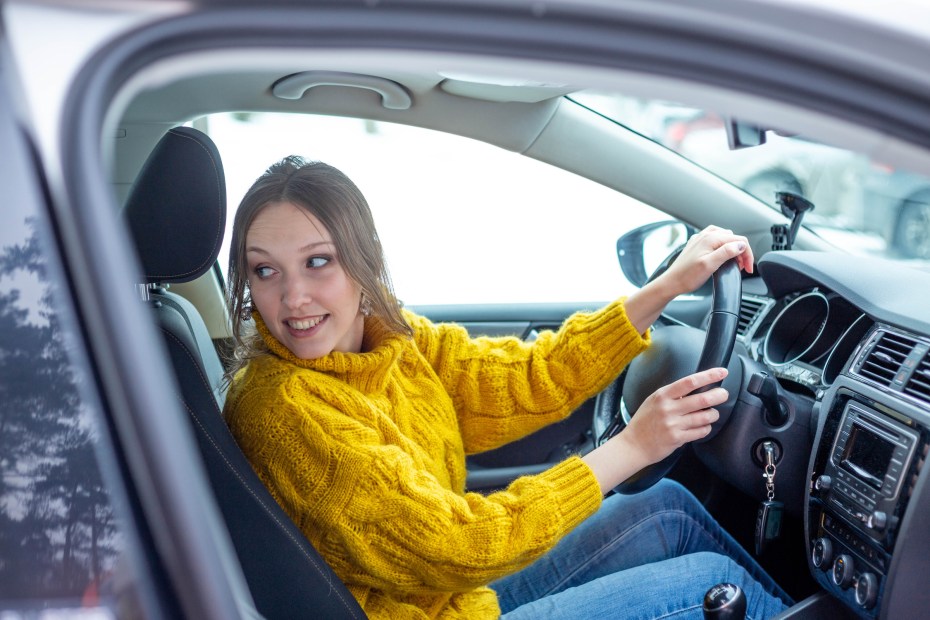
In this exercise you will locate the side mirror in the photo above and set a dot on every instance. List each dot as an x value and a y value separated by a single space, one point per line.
643 249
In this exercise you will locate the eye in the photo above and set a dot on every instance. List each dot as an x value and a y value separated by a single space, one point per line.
263 272
315 262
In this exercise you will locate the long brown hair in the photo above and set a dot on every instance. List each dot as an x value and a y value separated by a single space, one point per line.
330 196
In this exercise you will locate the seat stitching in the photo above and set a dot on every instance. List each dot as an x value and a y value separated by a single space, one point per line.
229 465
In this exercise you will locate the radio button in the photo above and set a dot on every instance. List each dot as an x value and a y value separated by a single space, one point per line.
822 553
843 570
877 521
823 484
867 590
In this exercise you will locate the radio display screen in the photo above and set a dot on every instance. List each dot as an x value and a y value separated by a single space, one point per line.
867 454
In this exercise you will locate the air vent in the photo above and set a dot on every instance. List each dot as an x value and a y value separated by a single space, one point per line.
884 360
918 385
749 308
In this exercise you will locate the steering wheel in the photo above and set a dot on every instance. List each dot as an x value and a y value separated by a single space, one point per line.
670 357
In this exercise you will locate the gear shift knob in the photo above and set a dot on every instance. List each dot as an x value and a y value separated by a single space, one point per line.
725 601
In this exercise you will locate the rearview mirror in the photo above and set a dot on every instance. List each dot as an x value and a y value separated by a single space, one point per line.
742 135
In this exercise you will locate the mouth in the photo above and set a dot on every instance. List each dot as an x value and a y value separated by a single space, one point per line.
303 326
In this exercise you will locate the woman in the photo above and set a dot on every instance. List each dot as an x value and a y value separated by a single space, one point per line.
358 416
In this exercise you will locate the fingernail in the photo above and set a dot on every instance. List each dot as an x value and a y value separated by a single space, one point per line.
741 246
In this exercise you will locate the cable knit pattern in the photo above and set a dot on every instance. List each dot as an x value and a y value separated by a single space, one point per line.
366 453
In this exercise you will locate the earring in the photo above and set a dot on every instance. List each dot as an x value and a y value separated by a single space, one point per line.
365 305
245 314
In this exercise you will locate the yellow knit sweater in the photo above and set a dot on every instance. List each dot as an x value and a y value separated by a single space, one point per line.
366 453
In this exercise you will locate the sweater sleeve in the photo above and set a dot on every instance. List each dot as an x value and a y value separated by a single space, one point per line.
383 521
505 388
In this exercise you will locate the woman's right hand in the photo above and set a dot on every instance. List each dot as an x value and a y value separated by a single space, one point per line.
669 418
704 253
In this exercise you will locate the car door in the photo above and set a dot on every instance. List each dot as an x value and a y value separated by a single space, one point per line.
70 535
94 520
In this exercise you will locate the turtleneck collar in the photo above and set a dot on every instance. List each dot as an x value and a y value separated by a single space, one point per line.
381 348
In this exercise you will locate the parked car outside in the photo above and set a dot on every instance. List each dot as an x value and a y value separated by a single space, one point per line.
849 190
906 196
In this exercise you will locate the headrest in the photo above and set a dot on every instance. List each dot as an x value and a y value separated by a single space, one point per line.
176 210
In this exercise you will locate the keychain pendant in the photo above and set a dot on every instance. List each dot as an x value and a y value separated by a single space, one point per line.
768 523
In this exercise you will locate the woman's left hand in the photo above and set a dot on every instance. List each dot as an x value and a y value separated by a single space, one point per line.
704 253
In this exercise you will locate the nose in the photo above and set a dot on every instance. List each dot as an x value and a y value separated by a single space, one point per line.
296 292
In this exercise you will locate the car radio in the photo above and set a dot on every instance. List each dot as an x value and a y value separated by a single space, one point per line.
870 454
858 498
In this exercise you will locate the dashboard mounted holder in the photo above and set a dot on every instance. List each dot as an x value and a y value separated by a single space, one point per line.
792 206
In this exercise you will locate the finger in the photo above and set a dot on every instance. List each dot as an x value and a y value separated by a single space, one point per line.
703 400
700 419
694 434
735 248
699 425
688 384
743 252
746 258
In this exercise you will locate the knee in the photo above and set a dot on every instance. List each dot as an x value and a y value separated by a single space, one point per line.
715 563
708 568
667 502
673 494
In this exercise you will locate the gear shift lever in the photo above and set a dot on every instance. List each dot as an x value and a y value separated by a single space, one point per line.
725 601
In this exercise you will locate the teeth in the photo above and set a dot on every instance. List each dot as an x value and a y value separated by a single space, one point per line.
305 324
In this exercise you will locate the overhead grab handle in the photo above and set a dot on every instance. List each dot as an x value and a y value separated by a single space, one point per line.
393 95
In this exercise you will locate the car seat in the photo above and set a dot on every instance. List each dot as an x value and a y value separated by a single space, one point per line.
176 212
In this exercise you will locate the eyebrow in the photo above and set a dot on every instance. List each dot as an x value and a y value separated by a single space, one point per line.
305 248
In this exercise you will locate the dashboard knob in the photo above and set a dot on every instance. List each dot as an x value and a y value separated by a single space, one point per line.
822 553
823 484
867 590
843 569
877 521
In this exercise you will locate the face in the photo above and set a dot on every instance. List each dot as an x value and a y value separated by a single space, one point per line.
297 283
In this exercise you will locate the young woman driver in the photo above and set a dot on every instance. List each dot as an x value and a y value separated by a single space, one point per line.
358 415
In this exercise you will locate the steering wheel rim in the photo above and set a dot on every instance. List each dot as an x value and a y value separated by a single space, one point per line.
719 340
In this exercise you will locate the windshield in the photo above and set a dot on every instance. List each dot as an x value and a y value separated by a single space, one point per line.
860 205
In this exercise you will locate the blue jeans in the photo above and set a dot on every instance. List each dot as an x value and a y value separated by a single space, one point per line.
650 555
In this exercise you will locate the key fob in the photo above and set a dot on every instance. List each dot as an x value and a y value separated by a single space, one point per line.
768 523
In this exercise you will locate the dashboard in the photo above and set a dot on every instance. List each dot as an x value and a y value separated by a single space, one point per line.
847 340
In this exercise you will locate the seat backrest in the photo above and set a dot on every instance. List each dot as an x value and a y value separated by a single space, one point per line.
176 212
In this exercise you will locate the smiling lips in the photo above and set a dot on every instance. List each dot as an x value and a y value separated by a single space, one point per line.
305 324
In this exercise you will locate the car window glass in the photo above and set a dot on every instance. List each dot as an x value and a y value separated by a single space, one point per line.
461 221
63 538
862 205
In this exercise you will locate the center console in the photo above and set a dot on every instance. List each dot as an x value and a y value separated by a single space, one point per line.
863 474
